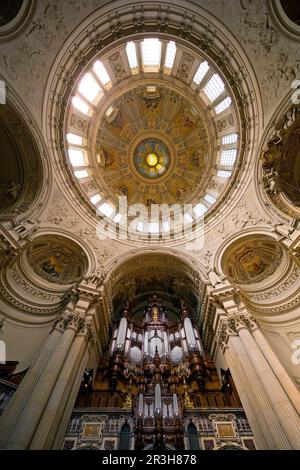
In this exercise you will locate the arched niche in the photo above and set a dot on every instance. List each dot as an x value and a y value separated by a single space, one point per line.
286 15
9 10
140 276
57 259
124 437
251 259
193 437
14 17
21 168
279 163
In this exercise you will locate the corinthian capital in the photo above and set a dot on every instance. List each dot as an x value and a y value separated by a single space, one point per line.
231 324
65 320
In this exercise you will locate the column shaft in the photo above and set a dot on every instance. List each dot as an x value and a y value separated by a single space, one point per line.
61 431
268 420
284 409
49 422
18 403
23 431
246 400
287 383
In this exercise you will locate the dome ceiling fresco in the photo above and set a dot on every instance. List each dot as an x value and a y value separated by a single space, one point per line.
155 122
174 142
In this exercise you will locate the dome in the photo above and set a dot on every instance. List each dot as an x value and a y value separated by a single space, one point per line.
155 122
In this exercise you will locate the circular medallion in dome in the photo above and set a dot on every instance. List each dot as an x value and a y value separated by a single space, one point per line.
151 158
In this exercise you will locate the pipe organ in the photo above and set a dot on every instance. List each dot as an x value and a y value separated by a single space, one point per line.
157 377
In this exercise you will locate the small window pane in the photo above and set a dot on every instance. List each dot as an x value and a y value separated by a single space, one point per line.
101 72
74 139
214 87
95 199
224 174
210 199
106 209
223 105
229 139
228 157
170 54
81 174
201 72
76 157
80 105
151 52
131 55
89 88
200 209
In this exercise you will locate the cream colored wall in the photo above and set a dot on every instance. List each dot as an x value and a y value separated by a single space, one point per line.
220 362
23 342
280 338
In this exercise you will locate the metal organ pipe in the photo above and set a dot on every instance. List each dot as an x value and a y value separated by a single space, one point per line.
146 342
140 404
157 400
166 343
189 332
175 404
122 333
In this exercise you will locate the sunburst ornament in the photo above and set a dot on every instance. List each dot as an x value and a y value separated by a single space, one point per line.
151 158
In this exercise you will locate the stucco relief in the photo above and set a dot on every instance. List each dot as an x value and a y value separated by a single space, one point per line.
61 216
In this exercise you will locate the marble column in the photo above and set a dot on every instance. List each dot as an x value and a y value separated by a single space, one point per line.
50 421
284 409
22 433
271 412
266 416
65 418
247 399
283 377
17 405
42 406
